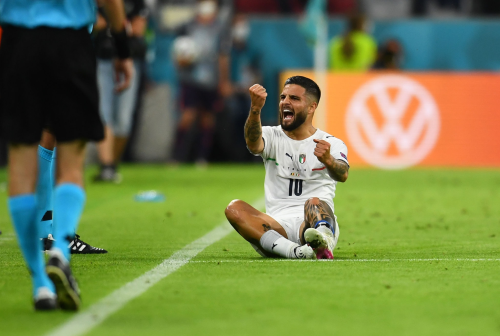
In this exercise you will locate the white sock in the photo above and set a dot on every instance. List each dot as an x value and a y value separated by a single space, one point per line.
273 242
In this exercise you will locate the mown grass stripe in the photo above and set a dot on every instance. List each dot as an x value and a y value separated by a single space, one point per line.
88 319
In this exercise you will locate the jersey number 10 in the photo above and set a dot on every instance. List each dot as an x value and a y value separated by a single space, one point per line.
298 187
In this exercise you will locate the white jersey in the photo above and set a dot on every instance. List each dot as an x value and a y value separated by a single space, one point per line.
294 174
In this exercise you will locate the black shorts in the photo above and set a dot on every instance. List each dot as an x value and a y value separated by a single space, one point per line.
48 76
200 98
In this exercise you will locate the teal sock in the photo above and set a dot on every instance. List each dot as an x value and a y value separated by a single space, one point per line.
22 211
44 191
69 199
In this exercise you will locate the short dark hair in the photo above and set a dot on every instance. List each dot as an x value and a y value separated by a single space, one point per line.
311 87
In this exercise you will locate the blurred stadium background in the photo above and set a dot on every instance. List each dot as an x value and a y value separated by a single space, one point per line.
447 50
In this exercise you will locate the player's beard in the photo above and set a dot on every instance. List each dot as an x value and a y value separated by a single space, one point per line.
298 120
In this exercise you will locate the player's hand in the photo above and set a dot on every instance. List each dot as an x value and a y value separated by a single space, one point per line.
322 152
258 96
124 72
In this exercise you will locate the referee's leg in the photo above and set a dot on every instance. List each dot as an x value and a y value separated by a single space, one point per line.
69 195
21 126
69 199
23 207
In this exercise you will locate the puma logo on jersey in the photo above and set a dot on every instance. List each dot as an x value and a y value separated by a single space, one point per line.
290 156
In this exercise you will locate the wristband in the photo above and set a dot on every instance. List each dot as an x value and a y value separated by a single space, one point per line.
121 44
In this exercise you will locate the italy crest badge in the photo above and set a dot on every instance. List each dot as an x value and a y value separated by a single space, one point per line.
302 158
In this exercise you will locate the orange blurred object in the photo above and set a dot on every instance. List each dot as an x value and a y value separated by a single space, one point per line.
395 120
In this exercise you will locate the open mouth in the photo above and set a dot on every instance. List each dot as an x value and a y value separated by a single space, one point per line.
287 114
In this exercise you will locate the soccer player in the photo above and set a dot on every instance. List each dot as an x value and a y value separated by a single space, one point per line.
48 74
303 165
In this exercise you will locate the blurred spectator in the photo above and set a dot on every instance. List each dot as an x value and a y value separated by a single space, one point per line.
341 6
202 55
270 6
117 108
486 7
421 7
443 8
390 55
245 71
290 6
355 50
385 9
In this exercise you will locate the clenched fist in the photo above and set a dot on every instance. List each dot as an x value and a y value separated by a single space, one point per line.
322 152
258 96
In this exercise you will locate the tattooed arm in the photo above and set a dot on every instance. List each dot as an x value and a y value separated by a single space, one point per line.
253 126
337 169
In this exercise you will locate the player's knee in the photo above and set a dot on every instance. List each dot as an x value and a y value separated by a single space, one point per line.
232 211
313 201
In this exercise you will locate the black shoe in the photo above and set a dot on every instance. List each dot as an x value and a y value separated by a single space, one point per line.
68 293
108 174
47 243
77 246
45 300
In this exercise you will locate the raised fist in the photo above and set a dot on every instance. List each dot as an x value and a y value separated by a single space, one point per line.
258 96
322 151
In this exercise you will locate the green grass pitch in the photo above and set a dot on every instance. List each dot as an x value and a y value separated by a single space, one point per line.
418 254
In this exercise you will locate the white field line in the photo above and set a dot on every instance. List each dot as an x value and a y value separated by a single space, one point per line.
86 320
7 237
335 260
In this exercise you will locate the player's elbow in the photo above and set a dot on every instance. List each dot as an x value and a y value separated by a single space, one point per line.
342 178
255 148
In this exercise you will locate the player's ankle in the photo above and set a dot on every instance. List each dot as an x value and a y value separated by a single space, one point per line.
272 242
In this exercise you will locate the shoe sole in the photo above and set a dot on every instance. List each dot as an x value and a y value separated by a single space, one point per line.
46 305
315 239
97 252
67 298
116 180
